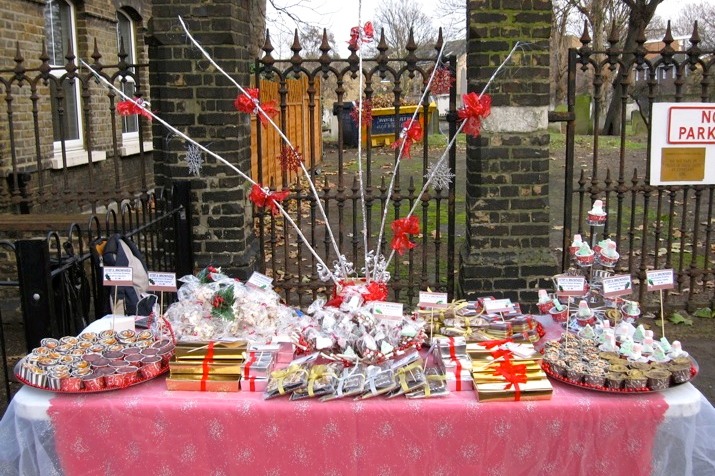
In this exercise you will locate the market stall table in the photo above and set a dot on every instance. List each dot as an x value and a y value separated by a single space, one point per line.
149 430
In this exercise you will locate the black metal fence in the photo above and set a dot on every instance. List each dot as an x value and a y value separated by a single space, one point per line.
287 260
655 227
57 283
63 147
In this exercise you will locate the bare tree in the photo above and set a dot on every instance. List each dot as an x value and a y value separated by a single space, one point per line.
453 16
397 17
704 13
559 44
311 38
640 14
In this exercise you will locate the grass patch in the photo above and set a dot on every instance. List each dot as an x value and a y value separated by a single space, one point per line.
558 141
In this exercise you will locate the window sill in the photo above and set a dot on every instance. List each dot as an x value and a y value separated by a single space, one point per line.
76 157
132 148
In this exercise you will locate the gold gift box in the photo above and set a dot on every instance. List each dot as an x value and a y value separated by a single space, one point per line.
483 365
540 389
477 351
218 383
222 350
196 367
487 376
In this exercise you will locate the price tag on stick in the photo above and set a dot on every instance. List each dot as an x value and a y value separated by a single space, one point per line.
570 286
660 279
260 281
117 276
433 300
617 286
162 282
387 310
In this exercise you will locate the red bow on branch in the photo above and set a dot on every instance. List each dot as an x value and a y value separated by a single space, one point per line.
411 132
513 374
474 110
358 37
131 107
403 227
263 198
250 104
376 291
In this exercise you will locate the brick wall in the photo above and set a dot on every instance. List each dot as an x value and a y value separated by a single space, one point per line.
198 101
507 244
23 25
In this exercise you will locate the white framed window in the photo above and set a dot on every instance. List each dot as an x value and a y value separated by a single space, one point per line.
60 36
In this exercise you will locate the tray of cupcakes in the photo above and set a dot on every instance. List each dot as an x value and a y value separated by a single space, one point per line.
627 365
95 362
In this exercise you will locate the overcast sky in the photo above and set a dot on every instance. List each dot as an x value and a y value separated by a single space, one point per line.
339 16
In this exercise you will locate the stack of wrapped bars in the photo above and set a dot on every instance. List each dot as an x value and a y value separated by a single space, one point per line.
457 363
505 371
207 366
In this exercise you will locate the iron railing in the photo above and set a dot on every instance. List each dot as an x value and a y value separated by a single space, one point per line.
51 167
287 260
655 227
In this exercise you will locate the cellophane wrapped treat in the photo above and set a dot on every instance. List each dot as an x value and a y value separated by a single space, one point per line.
322 380
213 307
285 381
351 382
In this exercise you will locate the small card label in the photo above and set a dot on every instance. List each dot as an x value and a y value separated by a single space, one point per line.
497 305
658 279
117 276
387 310
617 286
260 281
433 300
570 285
162 282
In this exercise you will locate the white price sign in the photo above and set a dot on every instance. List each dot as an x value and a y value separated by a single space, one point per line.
617 285
387 310
162 282
659 279
117 276
260 281
497 305
570 285
433 300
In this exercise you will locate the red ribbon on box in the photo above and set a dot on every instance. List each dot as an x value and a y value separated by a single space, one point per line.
458 374
452 352
514 375
252 384
208 359
247 365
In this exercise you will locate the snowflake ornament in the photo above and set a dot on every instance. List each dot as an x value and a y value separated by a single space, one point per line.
194 159
441 175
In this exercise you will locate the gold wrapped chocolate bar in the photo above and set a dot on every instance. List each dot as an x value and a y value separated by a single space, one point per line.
206 366
222 350
501 377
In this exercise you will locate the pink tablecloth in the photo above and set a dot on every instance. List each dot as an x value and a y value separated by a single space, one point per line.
149 430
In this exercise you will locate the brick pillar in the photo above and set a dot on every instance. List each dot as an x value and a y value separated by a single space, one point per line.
189 94
506 253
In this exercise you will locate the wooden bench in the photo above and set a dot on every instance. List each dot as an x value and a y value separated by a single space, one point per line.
40 222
